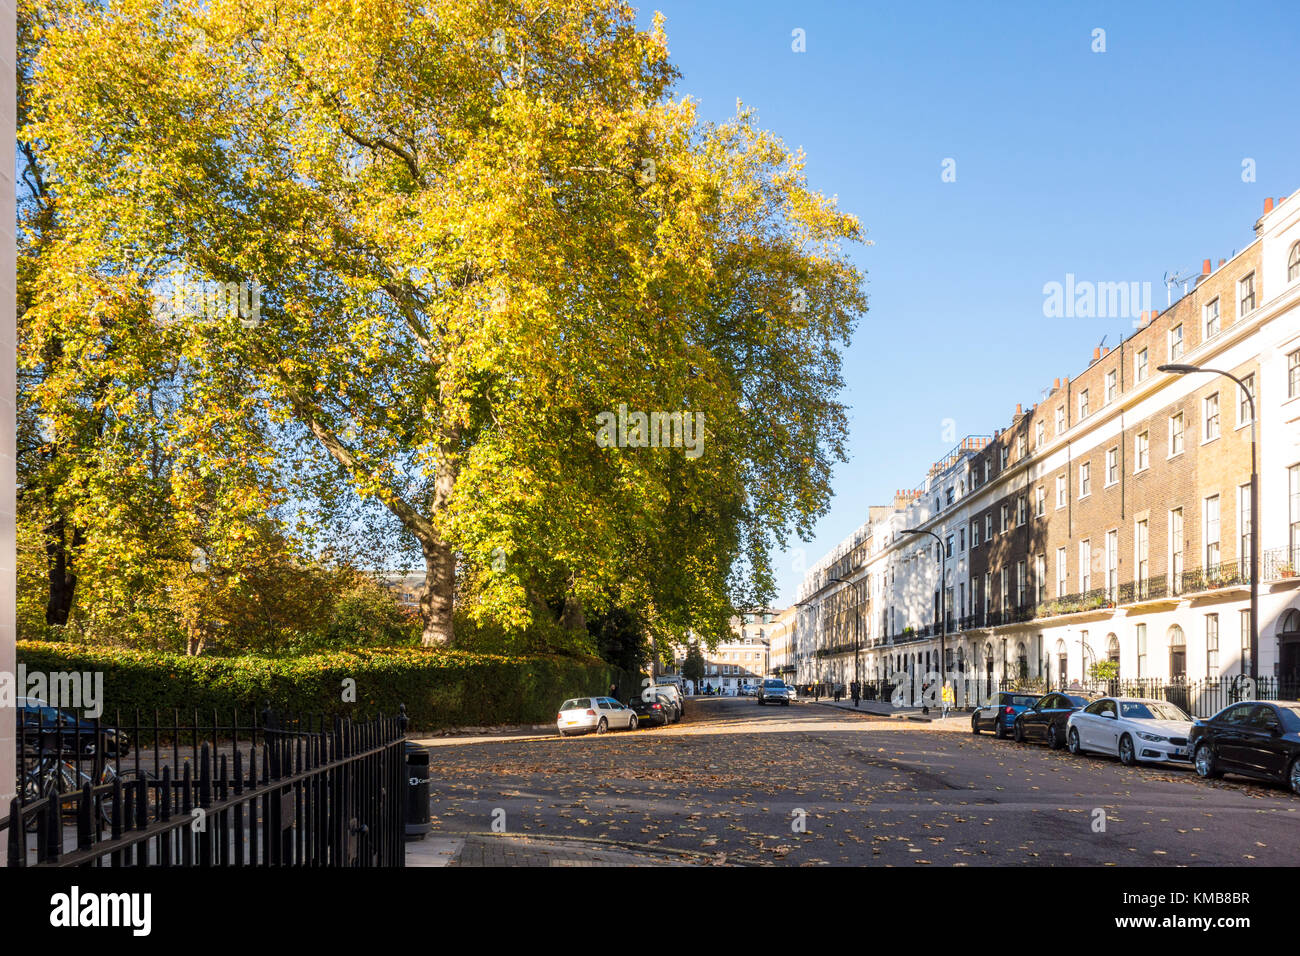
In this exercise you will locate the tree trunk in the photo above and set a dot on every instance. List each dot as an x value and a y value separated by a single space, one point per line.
436 597
573 619
63 582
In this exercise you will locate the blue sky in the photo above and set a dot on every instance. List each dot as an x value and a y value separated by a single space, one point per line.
1116 167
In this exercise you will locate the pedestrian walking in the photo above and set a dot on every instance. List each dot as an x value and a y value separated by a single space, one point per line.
856 690
949 698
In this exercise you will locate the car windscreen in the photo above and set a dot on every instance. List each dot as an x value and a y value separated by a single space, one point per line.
1151 710
578 703
774 684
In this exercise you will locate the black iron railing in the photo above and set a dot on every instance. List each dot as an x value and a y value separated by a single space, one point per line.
274 790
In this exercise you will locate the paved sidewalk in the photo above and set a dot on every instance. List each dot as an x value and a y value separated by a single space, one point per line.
507 849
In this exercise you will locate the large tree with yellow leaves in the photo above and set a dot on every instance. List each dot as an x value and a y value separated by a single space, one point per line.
474 228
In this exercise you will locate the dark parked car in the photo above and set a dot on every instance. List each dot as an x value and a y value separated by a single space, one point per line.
659 711
1251 738
1046 719
48 729
998 715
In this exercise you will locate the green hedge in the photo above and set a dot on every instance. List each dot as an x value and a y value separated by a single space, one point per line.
440 688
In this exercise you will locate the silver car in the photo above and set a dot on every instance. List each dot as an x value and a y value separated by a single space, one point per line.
579 715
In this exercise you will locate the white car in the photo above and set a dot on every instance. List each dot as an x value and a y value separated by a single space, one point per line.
1131 728
671 691
582 714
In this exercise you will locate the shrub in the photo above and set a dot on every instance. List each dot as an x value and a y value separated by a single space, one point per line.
440 688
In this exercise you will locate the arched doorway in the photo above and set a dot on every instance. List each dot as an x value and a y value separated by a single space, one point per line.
1112 652
1288 652
1062 662
988 669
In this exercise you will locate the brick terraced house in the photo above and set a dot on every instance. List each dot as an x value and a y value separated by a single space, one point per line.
1109 522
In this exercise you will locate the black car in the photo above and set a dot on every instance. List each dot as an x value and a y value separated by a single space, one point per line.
998 715
659 711
49 730
1252 738
1046 719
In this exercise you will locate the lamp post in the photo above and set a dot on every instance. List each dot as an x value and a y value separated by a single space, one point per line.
942 612
1179 369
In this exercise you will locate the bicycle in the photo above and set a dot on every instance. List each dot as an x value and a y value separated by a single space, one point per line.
59 778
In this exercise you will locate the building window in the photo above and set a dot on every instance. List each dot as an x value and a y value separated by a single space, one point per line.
1003 458
1211 417
1243 620
1243 523
1040 578
1246 292
1040 501
1176 541
1142 451
1211 531
1211 316
1293 475
1293 374
1006 519
1022 510
1175 434
1062 572
961 540
1060 416
1112 386
1140 366
1112 563
947 549
949 496
1211 645
988 527
1006 589
975 534
1293 263
1175 343
1141 650
1085 479
1039 430
1020 446
1245 400
1085 565
1141 548
1083 404
1112 466
1060 491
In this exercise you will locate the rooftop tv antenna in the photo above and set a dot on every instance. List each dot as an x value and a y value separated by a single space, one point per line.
1172 279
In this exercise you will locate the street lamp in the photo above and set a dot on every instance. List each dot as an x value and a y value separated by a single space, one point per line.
1179 369
942 612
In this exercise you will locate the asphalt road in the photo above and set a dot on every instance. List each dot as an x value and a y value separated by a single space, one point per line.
809 785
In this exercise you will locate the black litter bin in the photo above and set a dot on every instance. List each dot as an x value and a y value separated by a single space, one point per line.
417 791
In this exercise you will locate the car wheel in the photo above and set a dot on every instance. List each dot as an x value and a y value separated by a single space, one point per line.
564 733
1294 776
631 724
1019 732
1053 740
974 725
1073 743
1205 764
999 729
1127 753
602 726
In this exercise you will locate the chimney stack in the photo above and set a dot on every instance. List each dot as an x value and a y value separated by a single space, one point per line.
1205 268
1268 206
1096 353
